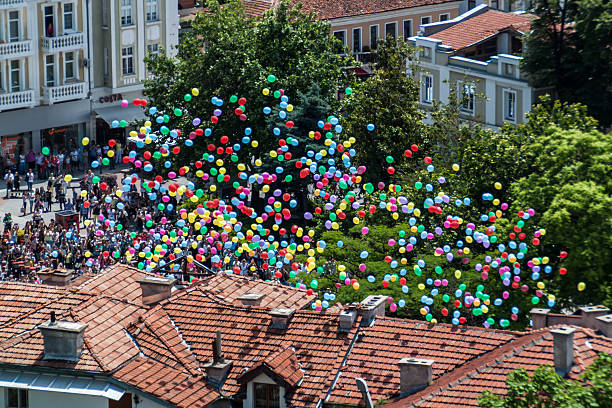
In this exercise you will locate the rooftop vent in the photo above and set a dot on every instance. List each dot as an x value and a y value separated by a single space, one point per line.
590 315
372 306
280 317
347 318
63 340
55 277
251 299
415 374
605 325
155 288
219 367
563 344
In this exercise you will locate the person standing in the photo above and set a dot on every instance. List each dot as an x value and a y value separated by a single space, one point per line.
9 178
32 201
30 179
49 199
22 163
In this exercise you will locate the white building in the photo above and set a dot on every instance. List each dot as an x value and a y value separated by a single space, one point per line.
60 61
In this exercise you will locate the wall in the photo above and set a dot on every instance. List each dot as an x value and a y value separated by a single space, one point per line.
380 19
249 401
46 399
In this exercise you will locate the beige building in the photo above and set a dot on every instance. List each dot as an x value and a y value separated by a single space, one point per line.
359 25
476 54
64 63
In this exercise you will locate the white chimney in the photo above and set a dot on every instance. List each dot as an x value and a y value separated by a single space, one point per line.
539 318
563 344
280 317
251 299
415 374
155 288
346 320
372 306
63 340
604 324
590 315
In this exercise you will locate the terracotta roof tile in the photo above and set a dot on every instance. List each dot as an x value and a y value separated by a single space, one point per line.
231 287
330 9
488 372
120 281
282 364
480 27
379 348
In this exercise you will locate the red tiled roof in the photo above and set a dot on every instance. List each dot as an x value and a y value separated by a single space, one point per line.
120 281
376 354
231 287
330 9
475 29
247 338
464 386
253 9
282 364
167 384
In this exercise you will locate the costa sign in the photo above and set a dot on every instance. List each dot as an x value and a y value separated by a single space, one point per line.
111 98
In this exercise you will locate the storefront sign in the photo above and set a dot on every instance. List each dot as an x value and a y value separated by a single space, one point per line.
110 98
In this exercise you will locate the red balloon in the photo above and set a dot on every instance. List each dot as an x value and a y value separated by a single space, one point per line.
112 142
242 101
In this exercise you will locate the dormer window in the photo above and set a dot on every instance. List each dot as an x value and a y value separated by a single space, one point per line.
266 395
426 52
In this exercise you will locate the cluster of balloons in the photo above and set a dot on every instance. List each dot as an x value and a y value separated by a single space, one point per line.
279 233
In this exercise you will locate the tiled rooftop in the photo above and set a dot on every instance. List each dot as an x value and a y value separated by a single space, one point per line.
379 348
478 28
330 9
120 281
231 287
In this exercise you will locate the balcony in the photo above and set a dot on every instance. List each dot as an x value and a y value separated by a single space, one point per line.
63 43
62 93
17 49
7 4
16 100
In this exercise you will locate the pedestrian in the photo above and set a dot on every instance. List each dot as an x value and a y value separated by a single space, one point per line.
31 194
9 178
30 179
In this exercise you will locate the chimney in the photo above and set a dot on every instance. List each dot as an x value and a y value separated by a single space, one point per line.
538 318
347 318
605 325
563 344
55 277
372 306
590 314
155 288
251 299
280 317
415 374
63 340
219 367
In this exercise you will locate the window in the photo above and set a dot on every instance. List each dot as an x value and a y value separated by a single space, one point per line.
426 53
49 70
373 36
444 17
105 12
126 12
356 39
471 4
127 61
510 105
341 35
407 29
15 76
49 12
152 49
508 69
427 89
14 23
494 4
390 30
16 398
267 395
69 69
68 17
425 20
467 97
152 13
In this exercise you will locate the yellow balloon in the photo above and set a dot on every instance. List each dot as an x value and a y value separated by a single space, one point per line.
85 141
67 178
498 186
455 167
195 91
581 286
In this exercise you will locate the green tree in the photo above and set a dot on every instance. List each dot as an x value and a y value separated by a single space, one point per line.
389 100
545 389
569 51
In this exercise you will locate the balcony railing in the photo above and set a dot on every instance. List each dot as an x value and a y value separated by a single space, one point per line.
63 43
15 100
17 49
68 92
6 4
131 80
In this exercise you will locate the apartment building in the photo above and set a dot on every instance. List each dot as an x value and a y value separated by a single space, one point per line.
64 63
477 55
359 25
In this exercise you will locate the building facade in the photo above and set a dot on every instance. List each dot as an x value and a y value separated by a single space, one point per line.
476 55
60 61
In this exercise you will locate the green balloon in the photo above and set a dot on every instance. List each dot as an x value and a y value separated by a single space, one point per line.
95 179
389 159
45 151
123 123
348 90
271 78
178 112
277 94
233 98
187 97
119 227
105 161
418 185
288 178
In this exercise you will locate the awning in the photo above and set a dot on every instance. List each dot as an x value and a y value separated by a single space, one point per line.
60 383
130 113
